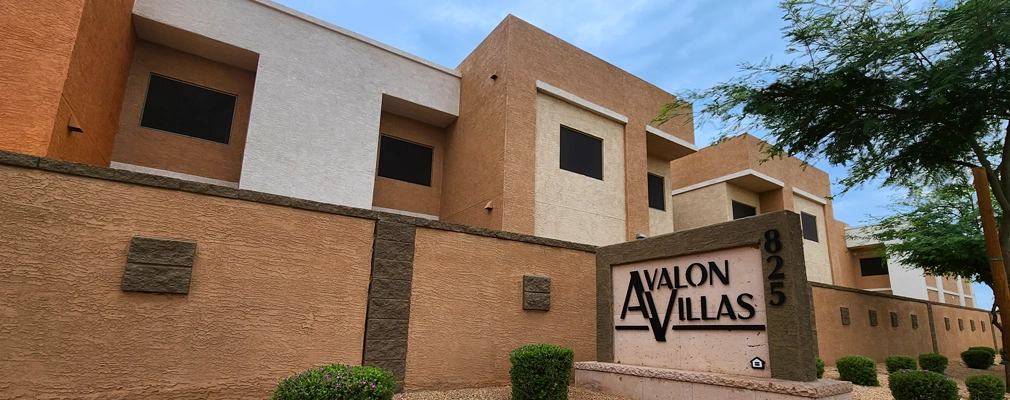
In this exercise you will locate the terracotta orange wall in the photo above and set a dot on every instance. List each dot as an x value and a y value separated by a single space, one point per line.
405 196
36 42
473 173
152 148
520 54
95 83
466 307
835 340
274 291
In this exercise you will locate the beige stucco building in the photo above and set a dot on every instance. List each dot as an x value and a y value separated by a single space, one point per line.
296 154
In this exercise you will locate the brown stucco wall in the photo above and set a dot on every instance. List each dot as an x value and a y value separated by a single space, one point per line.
95 84
951 343
494 112
473 175
37 40
152 148
836 340
466 307
274 290
405 196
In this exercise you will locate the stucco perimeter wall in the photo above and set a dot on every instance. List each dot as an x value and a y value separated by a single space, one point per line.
274 290
314 123
571 206
836 340
466 307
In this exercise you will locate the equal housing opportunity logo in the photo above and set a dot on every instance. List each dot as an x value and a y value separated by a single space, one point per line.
694 312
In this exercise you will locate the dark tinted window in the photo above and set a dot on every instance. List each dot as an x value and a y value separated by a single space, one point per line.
404 161
657 199
809 223
741 210
179 107
581 153
872 266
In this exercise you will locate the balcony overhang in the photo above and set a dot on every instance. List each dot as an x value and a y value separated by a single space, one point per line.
747 179
666 146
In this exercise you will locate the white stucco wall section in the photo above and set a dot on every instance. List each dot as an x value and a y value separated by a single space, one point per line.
815 253
314 124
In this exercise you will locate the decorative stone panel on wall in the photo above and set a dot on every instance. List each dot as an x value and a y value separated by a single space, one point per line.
845 316
894 319
915 321
946 322
158 265
389 298
960 324
873 317
536 293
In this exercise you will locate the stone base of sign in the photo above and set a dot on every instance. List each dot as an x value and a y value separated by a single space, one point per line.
641 383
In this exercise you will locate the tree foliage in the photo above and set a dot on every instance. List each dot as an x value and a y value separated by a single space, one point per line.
938 230
902 95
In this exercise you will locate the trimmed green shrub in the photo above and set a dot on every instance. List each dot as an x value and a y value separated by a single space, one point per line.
977 358
858 370
933 362
820 367
984 348
985 387
541 372
897 363
921 385
338 382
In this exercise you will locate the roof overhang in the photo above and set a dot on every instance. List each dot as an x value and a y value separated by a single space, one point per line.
748 179
666 146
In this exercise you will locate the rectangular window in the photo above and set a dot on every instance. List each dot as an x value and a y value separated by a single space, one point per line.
186 109
581 153
405 161
872 266
809 223
741 210
657 197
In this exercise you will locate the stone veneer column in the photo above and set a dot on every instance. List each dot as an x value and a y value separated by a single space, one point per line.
389 298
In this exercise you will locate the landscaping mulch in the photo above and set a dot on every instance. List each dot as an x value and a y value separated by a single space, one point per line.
499 393
956 370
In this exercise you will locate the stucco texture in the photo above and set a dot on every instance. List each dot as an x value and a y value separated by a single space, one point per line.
521 54
37 38
661 221
95 84
314 124
701 207
466 307
836 340
406 196
274 291
571 206
152 148
816 253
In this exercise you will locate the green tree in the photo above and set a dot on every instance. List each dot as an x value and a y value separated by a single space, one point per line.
937 230
910 96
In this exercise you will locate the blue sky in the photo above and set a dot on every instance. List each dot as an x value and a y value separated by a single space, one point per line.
682 45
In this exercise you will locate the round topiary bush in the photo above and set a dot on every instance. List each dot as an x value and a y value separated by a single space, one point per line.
338 382
985 387
933 362
858 370
922 385
984 348
820 367
541 372
897 363
977 358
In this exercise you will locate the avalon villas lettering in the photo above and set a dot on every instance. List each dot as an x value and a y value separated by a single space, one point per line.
699 312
